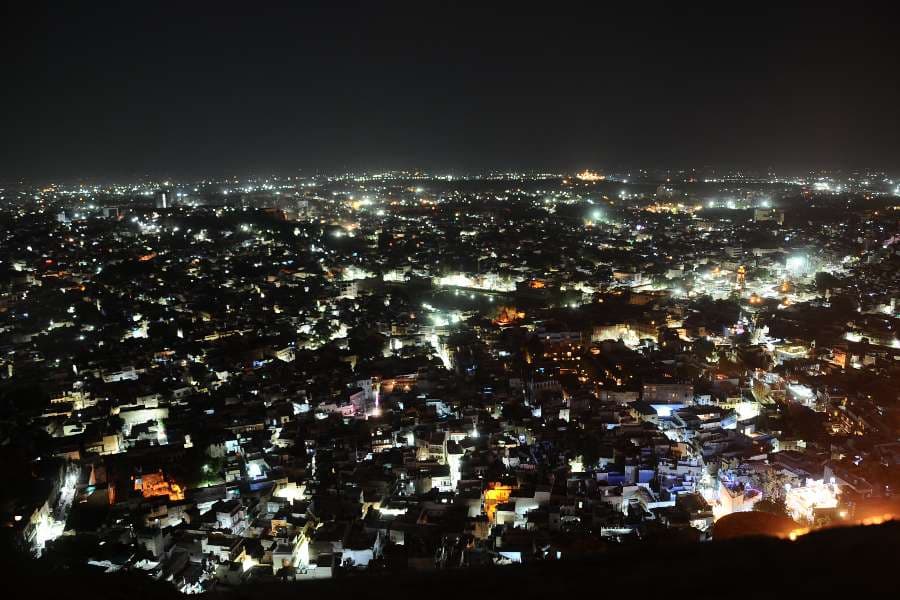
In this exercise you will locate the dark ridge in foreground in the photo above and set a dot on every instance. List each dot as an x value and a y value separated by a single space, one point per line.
837 563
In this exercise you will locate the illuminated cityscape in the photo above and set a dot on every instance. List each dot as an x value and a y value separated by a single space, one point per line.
231 384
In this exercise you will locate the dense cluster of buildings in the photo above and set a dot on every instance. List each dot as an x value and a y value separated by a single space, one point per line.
226 382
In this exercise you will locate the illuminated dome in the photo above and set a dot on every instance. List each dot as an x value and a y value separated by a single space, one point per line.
753 523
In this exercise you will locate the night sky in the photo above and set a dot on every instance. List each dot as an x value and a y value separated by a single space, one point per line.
100 90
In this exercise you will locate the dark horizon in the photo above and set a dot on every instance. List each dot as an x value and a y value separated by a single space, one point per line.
117 92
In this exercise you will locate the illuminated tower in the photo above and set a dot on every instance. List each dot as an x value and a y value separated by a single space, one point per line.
741 277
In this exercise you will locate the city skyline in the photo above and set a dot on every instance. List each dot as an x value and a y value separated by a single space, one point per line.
371 297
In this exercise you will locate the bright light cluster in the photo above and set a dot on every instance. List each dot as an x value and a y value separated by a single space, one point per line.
803 501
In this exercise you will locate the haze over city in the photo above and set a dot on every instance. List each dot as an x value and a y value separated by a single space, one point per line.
115 90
